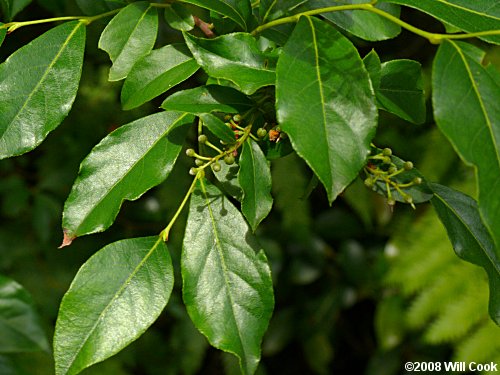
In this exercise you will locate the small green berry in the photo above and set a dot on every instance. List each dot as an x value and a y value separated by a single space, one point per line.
408 166
387 151
261 132
190 152
392 169
237 118
202 138
193 171
369 182
387 160
417 180
199 162
216 167
229 159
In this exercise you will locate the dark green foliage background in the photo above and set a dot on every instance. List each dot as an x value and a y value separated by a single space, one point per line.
329 265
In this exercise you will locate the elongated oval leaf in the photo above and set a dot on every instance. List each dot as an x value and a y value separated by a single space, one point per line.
467 110
38 84
374 68
470 238
205 99
236 58
467 15
237 10
178 17
115 296
130 35
124 165
325 103
19 322
255 181
363 24
218 128
401 90
227 286
156 73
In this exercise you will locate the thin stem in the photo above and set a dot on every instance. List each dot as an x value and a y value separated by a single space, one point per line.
165 232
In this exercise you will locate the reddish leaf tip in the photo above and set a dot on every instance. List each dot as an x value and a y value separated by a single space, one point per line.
67 239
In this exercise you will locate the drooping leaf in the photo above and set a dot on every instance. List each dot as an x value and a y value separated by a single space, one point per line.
19 322
115 296
237 10
178 17
94 7
38 84
130 35
227 286
255 181
10 8
124 165
235 57
156 73
467 111
218 128
374 68
467 15
363 24
325 103
205 99
401 90
470 238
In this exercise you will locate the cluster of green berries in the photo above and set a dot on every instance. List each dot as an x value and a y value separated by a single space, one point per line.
381 168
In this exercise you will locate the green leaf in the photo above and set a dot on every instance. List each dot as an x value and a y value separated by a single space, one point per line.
38 84
205 99
272 9
467 111
470 238
227 286
218 128
10 8
374 68
178 17
467 15
235 57
237 10
363 24
255 181
115 296
130 35
401 90
325 103
156 73
228 180
94 7
19 322
3 32
124 165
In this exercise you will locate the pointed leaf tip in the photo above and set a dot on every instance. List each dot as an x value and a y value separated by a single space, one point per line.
67 239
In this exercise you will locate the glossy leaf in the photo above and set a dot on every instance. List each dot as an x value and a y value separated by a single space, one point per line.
467 15
401 90
363 24
130 35
115 296
273 9
467 111
10 8
374 68
237 10
38 84
3 33
235 57
205 99
325 103
218 128
178 17
19 321
470 238
227 286
156 73
124 165
94 7
255 181
228 178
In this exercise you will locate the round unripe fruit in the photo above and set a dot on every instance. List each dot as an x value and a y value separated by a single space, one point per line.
229 159
193 171
202 138
237 118
199 162
387 151
417 181
190 152
408 166
261 132
392 169
216 167
369 182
